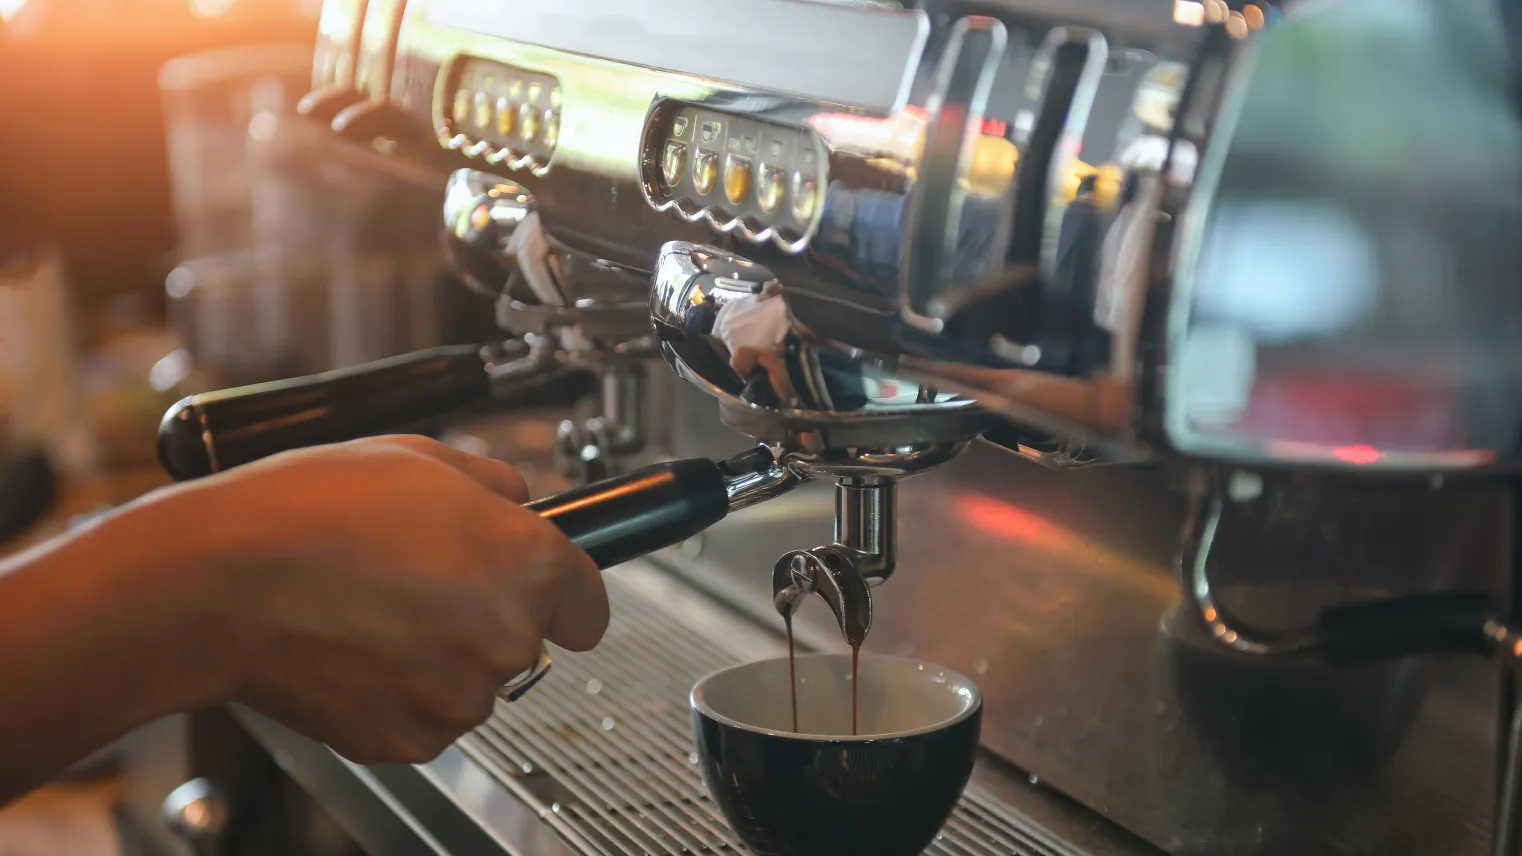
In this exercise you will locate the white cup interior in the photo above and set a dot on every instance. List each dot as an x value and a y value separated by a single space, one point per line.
897 697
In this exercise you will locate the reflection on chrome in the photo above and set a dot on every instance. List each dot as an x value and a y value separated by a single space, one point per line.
723 326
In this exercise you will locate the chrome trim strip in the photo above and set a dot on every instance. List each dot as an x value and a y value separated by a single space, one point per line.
964 79
781 39
366 810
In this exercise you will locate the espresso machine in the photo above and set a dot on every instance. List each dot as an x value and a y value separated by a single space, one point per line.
1192 321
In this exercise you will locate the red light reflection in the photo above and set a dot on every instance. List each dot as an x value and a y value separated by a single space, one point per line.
1361 455
1077 554
1011 522
991 127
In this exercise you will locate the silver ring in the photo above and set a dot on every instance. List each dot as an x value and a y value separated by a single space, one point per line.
519 686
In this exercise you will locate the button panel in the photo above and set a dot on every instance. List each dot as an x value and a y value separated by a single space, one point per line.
750 176
505 115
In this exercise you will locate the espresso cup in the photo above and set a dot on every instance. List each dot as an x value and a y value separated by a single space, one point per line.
820 790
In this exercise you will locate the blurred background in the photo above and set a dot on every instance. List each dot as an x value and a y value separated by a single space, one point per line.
166 227
85 159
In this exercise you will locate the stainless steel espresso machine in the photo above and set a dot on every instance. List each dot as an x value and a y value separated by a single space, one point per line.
1196 323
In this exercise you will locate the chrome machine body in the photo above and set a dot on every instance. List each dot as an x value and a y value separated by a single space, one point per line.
1239 276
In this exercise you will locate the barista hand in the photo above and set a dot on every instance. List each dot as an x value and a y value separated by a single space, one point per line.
745 359
398 585
372 595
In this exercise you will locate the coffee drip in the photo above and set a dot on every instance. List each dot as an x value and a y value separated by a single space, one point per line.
855 684
792 670
792 673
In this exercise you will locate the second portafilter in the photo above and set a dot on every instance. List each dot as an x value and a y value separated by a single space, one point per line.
563 321
577 313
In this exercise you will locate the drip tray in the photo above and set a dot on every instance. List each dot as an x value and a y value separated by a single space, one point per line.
602 747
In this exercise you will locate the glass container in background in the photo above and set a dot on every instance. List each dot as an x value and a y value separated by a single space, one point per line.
223 110
297 253
42 403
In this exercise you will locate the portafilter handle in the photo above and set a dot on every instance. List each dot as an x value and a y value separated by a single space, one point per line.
633 515
216 431
613 520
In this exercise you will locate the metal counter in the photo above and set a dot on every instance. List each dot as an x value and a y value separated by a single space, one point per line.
598 758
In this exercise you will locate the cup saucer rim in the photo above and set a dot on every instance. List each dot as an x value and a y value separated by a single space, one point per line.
700 705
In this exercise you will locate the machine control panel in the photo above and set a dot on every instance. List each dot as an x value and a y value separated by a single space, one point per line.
502 114
761 179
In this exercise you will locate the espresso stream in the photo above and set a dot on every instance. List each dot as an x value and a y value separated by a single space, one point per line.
792 675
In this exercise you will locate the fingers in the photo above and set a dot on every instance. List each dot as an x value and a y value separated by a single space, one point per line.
581 613
578 608
574 614
776 372
743 360
557 586
572 608
499 477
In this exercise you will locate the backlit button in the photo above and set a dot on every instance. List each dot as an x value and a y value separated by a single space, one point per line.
480 218
528 123
736 178
711 131
483 111
555 97
507 117
460 112
551 134
805 197
679 127
534 91
515 90
705 171
772 188
673 163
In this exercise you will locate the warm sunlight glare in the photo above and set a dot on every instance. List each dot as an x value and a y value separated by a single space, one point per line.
211 8
9 9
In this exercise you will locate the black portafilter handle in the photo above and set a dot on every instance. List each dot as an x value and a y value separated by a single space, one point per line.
638 513
1413 625
208 433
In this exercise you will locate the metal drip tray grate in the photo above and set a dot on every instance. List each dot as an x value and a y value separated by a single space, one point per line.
602 747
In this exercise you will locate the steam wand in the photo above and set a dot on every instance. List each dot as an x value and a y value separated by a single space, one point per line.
1364 633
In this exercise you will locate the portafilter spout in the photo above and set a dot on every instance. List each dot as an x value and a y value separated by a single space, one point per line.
722 325
863 555
865 550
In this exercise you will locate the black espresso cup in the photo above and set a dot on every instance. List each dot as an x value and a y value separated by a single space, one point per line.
820 790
